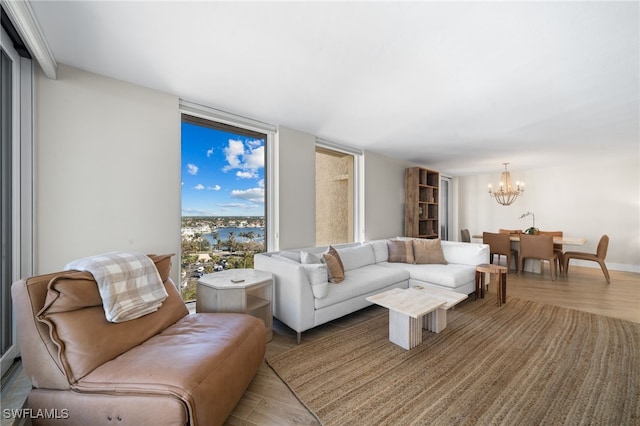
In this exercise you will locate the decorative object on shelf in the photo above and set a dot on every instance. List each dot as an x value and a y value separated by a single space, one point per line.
507 194
531 230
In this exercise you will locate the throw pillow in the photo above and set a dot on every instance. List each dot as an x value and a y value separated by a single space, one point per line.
318 278
309 258
334 265
400 251
428 251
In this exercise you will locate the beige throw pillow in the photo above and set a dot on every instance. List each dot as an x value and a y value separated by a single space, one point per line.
400 251
428 251
334 265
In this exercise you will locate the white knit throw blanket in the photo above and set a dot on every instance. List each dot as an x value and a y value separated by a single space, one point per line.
128 282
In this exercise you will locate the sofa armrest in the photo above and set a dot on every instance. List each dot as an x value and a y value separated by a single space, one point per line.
465 253
293 301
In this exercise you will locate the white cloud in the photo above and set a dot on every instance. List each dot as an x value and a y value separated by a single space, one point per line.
200 187
192 169
254 195
195 212
254 143
248 174
247 157
233 152
209 152
254 159
240 206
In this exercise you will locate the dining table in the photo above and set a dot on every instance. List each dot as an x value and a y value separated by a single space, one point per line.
534 265
569 241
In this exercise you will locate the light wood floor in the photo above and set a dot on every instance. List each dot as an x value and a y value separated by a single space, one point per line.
268 401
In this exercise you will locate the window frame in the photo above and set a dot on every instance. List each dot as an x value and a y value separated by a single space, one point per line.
22 212
271 160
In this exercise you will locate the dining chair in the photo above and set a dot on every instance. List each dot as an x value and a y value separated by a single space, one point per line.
557 248
538 247
501 245
599 256
509 231
465 236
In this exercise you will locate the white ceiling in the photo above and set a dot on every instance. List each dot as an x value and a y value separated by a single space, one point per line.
460 87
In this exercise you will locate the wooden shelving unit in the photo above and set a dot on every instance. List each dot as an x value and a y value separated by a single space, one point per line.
421 203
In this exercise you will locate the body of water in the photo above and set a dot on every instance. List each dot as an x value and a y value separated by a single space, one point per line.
223 233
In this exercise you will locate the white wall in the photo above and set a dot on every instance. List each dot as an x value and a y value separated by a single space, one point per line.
383 192
108 178
383 196
296 189
108 174
585 200
107 161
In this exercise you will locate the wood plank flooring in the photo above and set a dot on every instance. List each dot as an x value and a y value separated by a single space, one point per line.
268 401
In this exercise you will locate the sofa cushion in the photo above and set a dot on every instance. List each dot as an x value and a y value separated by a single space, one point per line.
282 258
451 276
428 251
467 254
334 265
293 255
356 257
318 278
361 281
309 258
380 249
400 251
205 360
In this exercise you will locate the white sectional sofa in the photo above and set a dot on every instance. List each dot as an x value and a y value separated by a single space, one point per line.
304 298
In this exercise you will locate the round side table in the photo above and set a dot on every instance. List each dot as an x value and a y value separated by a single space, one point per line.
501 280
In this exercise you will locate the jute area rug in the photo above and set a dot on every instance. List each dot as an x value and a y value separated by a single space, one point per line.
522 363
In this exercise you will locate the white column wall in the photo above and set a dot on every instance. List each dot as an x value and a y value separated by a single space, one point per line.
297 189
383 196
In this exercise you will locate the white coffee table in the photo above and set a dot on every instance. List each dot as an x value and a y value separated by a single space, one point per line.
415 308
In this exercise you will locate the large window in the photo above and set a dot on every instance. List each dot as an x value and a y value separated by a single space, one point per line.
223 198
16 178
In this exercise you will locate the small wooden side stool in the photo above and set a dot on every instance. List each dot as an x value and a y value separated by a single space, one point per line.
501 280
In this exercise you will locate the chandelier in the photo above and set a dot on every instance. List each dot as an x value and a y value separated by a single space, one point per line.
507 194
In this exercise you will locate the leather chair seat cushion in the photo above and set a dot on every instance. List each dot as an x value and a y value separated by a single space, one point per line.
206 360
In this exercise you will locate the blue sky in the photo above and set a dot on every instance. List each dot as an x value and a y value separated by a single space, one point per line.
222 173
